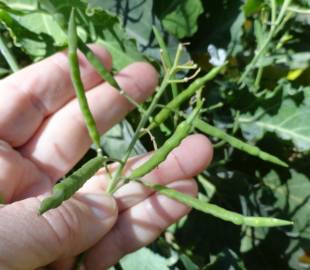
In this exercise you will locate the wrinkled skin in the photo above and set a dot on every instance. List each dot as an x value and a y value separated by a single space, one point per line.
42 136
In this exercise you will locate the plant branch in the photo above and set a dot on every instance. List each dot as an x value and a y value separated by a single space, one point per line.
8 55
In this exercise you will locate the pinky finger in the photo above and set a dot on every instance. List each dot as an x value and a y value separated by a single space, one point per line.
138 226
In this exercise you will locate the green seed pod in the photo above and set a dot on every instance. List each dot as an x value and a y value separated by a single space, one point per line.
66 189
218 211
182 97
250 149
77 81
182 130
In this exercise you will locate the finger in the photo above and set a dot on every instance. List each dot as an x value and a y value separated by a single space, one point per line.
139 226
64 264
29 241
17 173
191 157
64 139
28 96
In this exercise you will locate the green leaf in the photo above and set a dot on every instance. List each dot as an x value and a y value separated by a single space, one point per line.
286 115
227 259
22 5
43 24
3 71
114 37
252 6
116 141
137 19
286 193
32 43
123 50
42 32
180 17
293 197
144 259
188 263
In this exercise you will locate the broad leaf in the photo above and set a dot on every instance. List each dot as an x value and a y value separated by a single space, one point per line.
287 193
180 17
293 196
144 259
42 32
226 259
22 5
252 6
116 141
286 115
137 18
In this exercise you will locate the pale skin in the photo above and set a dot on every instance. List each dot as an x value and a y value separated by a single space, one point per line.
42 136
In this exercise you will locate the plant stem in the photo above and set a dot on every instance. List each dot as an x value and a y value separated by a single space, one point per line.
8 55
166 58
115 179
183 96
104 73
272 32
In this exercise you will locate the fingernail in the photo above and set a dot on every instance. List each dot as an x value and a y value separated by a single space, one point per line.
102 206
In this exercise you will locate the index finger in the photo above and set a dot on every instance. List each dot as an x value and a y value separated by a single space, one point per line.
35 92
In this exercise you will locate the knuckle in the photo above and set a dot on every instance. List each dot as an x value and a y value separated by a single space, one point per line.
64 224
179 164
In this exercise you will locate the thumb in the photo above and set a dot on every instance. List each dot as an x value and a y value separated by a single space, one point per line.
29 241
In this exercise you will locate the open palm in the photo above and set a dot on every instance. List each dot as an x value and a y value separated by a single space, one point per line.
42 136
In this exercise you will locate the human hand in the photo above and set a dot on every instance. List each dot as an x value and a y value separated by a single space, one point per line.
42 136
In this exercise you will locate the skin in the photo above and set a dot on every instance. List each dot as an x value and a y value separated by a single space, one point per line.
43 135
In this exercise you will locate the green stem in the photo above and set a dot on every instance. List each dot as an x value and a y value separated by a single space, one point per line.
183 96
104 73
299 10
182 130
116 177
166 58
272 32
8 55
258 78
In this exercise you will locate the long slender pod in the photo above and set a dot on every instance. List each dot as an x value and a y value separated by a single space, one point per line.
182 130
100 68
183 96
103 72
218 211
66 189
77 82
250 149
96 63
